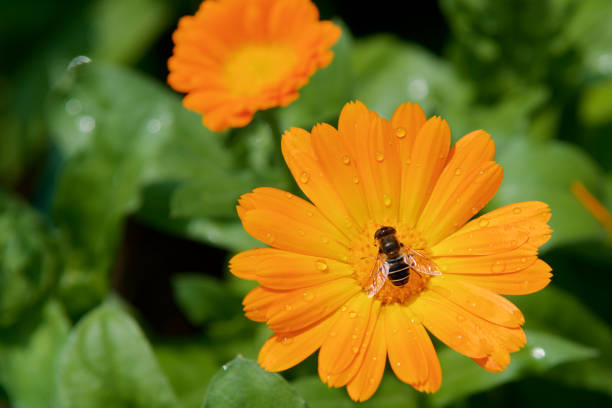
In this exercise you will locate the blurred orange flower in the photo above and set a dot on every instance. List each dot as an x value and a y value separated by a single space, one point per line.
235 57
317 279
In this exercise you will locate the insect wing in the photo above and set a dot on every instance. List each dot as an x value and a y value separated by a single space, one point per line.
420 263
378 276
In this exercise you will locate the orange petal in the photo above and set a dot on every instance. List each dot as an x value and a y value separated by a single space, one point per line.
300 308
406 122
495 363
421 169
339 164
284 350
347 334
258 302
478 301
276 269
467 183
371 145
365 383
483 241
406 354
453 325
529 216
298 152
503 262
530 280
287 222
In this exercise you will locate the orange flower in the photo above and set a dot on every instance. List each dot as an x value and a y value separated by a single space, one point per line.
235 57
317 277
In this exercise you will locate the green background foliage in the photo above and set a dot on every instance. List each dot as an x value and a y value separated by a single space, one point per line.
117 207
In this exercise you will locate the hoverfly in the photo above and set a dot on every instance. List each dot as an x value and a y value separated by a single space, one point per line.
394 262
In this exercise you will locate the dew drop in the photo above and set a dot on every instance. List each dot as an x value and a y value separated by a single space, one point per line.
394 331
309 213
346 160
287 340
538 353
73 106
483 222
470 249
400 132
516 210
481 172
380 157
498 267
322 266
457 172
356 180
387 201
301 233
154 125
325 240
269 237
408 161
304 177
461 318
352 314
459 337
473 304
398 364
224 367
289 195
354 337
474 210
343 308
332 334
288 308
86 123
355 350
308 296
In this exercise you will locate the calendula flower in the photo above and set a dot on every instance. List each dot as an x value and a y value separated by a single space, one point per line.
235 57
318 289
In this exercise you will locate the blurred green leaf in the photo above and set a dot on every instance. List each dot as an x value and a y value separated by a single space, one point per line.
390 394
203 298
20 360
322 98
561 313
188 366
391 72
31 260
242 383
463 377
225 234
107 362
544 172
595 106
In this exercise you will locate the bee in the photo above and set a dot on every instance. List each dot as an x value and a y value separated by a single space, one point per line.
394 262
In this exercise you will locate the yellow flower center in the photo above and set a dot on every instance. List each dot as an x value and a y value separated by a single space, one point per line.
364 256
254 67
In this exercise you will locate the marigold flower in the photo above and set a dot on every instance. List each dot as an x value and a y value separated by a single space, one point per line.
316 277
235 57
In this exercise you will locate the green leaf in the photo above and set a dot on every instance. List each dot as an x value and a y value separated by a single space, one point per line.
561 313
242 383
463 377
326 92
545 172
203 298
391 72
107 362
30 261
189 367
37 354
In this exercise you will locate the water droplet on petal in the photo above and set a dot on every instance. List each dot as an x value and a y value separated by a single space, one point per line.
270 237
288 308
355 350
398 364
304 177
481 172
346 160
400 132
352 314
301 232
460 337
343 308
474 210
387 201
308 296
287 340
356 180
332 334
516 210
289 195
457 172
321 265
309 213
325 240
538 353
394 330
461 318
374 358
380 157
498 266
354 337
483 222
408 161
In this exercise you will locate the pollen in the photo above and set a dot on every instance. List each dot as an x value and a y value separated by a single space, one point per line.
365 251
